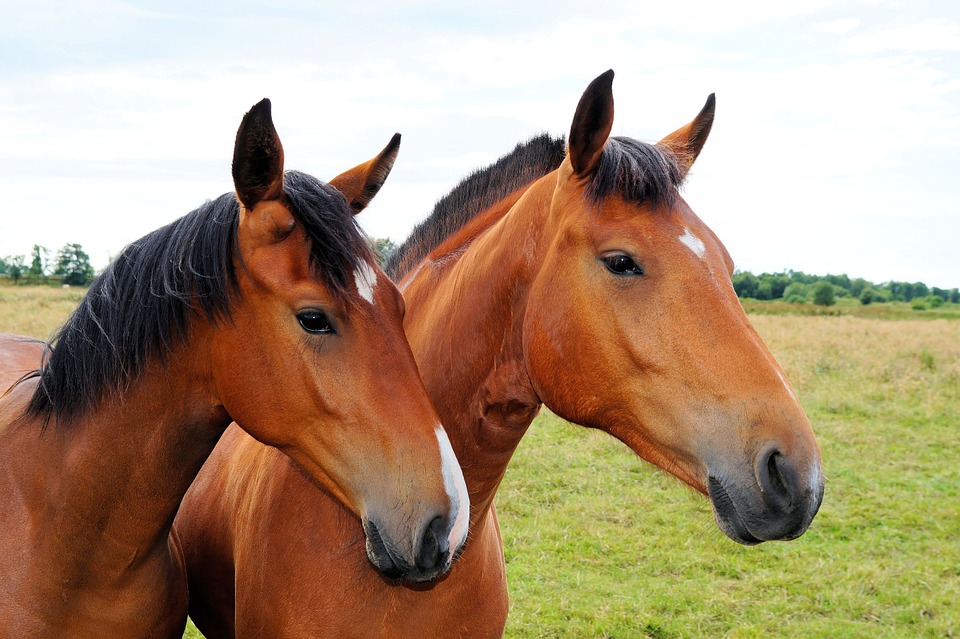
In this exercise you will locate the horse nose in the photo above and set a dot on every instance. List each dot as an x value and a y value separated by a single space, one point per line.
434 548
430 557
790 491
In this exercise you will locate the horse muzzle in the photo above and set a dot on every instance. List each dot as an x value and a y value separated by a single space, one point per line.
429 557
778 502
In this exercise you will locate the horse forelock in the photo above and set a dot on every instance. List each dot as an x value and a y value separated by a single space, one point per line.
636 171
141 306
338 247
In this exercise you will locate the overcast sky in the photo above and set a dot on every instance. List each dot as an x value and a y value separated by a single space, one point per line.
836 144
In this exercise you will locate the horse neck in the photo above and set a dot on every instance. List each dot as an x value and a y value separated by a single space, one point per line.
465 310
114 477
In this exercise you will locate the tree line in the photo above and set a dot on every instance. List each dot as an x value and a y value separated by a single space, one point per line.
797 287
71 265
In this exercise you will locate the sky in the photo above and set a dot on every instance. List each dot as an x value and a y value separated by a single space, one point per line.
835 148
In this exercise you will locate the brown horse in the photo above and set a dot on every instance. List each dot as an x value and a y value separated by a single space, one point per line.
265 307
581 281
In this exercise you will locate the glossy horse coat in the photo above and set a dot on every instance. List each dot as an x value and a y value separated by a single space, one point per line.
581 281
265 307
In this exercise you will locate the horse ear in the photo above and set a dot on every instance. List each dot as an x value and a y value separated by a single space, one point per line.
592 123
257 158
686 142
361 183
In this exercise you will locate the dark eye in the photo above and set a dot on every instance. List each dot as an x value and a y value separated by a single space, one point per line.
315 322
621 264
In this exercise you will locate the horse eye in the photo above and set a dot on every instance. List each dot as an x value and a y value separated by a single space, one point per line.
315 322
621 264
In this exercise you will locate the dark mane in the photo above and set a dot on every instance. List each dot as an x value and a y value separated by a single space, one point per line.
477 192
141 306
637 171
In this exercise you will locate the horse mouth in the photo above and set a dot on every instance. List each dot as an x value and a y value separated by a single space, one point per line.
727 516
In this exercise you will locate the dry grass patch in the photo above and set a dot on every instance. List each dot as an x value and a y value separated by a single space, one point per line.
36 310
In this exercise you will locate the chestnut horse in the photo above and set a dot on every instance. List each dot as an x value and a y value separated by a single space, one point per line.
581 281
265 307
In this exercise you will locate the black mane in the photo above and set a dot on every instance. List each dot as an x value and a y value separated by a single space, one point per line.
637 171
140 307
477 192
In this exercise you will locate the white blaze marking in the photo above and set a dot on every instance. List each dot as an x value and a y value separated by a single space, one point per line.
456 490
786 385
693 243
366 280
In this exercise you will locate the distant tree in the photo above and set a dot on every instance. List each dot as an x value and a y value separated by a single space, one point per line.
954 295
839 281
764 290
795 290
920 289
823 294
74 265
934 301
901 291
745 284
803 278
15 267
383 248
857 286
3 266
866 296
775 283
39 256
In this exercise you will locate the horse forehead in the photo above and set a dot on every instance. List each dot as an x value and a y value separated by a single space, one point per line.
286 260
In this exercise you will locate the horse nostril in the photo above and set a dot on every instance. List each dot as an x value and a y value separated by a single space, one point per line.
774 478
773 470
433 546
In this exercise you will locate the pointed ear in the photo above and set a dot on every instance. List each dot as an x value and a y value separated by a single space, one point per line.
361 183
257 158
592 123
686 142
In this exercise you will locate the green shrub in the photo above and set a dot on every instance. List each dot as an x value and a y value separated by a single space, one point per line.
794 290
823 294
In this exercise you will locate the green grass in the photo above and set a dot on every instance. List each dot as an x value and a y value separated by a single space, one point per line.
599 544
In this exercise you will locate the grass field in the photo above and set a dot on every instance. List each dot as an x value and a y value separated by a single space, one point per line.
599 544
35 310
